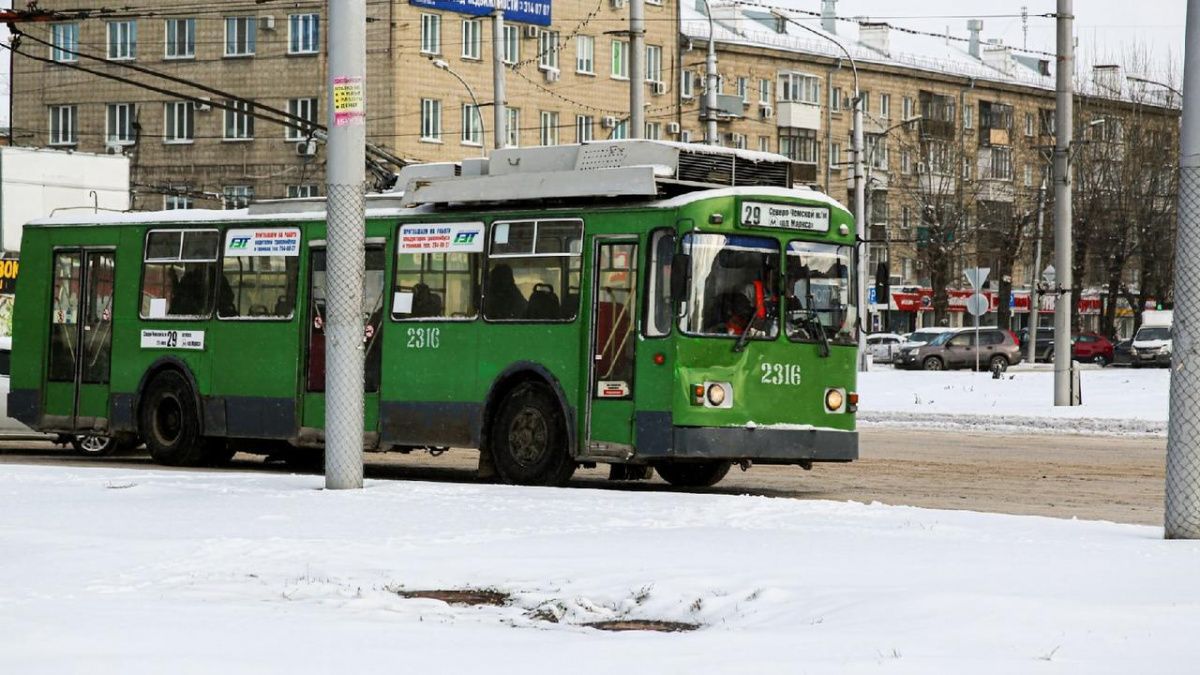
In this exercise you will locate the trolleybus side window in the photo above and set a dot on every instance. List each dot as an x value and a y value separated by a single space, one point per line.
733 288
658 287
534 271
819 292
178 273
438 266
259 274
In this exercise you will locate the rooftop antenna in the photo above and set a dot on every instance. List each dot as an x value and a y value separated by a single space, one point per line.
1025 26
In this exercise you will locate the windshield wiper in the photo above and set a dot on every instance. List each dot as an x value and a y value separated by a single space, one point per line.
811 317
765 319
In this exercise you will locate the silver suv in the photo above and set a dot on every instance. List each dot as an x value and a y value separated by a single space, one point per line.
997 349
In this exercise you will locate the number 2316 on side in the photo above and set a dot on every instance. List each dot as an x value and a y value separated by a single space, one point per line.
785 374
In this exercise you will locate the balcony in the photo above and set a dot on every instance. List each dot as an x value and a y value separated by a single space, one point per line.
797 115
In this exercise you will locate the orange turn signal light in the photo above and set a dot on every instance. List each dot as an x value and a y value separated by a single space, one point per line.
853 398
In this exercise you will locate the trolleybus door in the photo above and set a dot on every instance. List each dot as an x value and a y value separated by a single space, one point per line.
80 340
374 281
614 318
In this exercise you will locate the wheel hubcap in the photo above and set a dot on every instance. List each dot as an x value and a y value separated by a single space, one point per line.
168 420
528 437
92 443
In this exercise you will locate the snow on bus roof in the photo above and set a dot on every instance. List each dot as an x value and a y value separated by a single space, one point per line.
744 191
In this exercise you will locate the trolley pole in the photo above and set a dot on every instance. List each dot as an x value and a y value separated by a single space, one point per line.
345 259
1183 428
499 106
1064 130
637 68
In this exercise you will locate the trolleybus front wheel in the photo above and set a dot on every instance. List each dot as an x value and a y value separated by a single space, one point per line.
694 474
529 439
169 422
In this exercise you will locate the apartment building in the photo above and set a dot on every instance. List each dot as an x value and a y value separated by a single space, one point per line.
429 87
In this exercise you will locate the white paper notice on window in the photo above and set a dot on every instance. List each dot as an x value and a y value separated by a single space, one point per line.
402 302
501 233
158 308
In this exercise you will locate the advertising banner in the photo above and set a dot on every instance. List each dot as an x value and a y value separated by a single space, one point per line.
519 11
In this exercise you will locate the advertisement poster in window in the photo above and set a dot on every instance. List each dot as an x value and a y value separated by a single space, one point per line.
441 238
262 242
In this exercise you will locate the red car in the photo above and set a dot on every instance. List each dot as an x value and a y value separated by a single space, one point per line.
1089 348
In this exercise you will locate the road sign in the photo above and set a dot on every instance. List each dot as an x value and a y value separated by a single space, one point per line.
977 305
1049 275
871 295
976 276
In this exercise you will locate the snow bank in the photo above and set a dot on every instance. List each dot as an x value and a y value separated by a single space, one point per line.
117 571
1115 401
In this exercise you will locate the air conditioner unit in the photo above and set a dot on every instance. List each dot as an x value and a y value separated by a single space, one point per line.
608 122
672 127
658 88
617 4
202 106
266 23
532 31
306 148
766 112
114 148
551 74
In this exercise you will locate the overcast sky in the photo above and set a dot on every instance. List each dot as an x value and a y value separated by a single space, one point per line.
1108 30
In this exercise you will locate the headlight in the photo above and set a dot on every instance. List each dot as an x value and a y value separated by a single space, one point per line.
713 395
835 400
716 394
1166 349
1133 351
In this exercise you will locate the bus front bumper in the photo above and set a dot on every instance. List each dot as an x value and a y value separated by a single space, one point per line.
764 444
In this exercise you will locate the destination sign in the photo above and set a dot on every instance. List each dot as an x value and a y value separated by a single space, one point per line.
785 216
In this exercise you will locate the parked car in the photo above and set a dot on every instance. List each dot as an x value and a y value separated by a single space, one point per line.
1045 343
1089 348
1152 343
1121 352
84 444
997 350
923 336
883 347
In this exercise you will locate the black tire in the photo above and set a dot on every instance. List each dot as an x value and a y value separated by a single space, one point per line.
998 363
933 363
1049 356
94 445
169 423
528 438
694 474
1100 360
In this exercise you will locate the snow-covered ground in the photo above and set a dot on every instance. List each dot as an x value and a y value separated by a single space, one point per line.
1115 401
120 571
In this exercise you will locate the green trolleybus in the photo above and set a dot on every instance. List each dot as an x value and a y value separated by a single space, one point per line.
636 303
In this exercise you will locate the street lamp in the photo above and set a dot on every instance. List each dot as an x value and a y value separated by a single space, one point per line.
860 201
1164 85
441 64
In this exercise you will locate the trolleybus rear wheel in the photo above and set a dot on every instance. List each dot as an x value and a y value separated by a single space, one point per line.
529 439
697 474
169 422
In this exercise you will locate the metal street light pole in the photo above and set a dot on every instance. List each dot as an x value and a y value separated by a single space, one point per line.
443 65
870 198
1064 130
637 68
499 107
710 84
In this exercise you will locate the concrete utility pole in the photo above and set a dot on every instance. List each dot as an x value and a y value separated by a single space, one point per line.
1034 302
345 259
1183 428
499 108
637 68
860 220
710 84
1064 119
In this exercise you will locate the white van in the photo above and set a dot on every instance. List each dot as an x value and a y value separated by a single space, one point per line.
1152 343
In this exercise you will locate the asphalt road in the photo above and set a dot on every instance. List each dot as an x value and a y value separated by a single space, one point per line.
1090 477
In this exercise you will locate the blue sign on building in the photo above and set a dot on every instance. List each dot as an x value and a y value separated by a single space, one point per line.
519 11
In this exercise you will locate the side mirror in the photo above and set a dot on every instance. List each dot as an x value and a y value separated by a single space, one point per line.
681 270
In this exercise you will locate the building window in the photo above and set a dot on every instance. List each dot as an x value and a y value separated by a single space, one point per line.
866 101
63 120
177 201
1002 163
1028 176
512 44
654 69
799 88
237 196
687 84
835 155
306 109
583 128
653 131
1029 127
303 191
905 161
764 143
239 122
685 136
240 35
122 39
764 91
906 108
905 217
177 125
885 105
304 33
968 117
620 59
431 34
798 145
472 39
877 151
64 36
119 124
737 141
835 103
548 50
743 90
431 120
585 55
181 38
620 130
512 127
548 128
472 125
